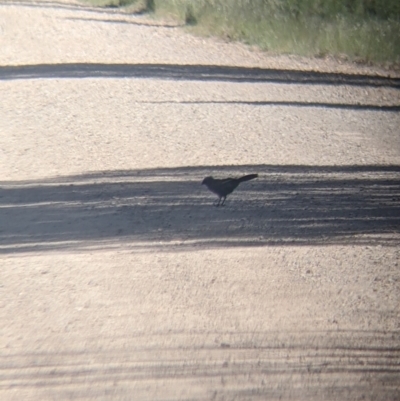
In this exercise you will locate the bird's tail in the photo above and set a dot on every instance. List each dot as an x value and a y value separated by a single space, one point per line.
247 177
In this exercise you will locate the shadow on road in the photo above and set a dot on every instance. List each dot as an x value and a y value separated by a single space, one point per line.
167 207
73 6
324 105
151 24
327 365
193 73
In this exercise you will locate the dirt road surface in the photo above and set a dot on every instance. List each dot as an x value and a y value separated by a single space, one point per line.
119 280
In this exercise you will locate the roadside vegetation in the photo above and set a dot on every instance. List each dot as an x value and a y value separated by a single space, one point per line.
366 31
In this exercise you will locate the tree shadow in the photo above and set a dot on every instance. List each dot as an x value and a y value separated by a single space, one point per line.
257 103
150 24
60 5
344 365
168 208
181 72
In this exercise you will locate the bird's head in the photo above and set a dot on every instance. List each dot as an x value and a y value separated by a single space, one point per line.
206 180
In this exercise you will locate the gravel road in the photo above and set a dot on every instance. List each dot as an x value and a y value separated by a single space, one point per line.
119 280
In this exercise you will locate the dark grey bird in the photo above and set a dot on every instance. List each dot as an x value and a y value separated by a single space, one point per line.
225 186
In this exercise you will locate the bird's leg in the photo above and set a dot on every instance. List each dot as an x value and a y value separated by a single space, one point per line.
223 202
217 202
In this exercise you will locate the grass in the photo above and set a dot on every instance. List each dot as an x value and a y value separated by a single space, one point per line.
359 30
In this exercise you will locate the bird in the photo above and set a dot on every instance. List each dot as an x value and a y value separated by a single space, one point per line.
225 186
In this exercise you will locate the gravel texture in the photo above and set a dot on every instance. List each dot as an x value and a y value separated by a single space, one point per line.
118 278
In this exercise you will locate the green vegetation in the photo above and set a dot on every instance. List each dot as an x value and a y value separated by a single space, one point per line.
360 30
